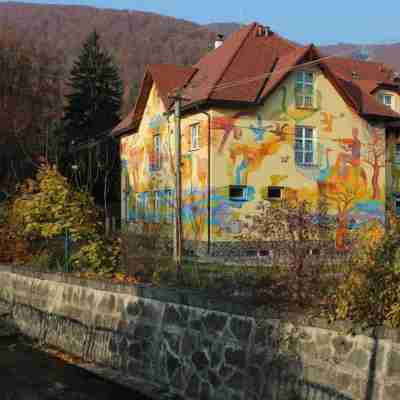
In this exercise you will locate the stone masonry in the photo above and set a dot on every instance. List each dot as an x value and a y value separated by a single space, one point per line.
197 347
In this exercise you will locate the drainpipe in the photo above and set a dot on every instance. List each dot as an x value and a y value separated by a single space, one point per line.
208 184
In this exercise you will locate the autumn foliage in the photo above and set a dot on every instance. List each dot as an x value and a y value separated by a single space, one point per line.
370 292
47 206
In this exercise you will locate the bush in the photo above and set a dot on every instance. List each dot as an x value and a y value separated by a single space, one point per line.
370 294
292 230
48 206
100 256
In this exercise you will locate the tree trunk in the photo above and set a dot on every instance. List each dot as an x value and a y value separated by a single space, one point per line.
375 182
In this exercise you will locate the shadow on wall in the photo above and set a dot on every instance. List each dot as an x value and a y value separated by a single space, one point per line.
201 354
178 341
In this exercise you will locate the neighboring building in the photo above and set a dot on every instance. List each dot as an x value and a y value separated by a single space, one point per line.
264 119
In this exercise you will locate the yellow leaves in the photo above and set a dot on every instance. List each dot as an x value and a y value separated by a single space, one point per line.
47 206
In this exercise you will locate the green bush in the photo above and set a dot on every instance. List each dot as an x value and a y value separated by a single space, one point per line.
101 256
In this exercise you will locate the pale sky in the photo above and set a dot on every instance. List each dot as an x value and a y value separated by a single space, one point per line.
320 22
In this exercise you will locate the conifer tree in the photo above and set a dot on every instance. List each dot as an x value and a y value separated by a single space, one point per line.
95 97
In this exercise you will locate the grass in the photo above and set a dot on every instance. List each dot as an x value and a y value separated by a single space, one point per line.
272 286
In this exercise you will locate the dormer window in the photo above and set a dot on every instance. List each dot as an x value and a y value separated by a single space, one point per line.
387 100
304 89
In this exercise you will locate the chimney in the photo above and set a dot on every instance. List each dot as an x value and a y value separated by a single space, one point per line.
264 31
219 41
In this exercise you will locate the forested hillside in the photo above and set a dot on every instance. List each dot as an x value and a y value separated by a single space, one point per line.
135 38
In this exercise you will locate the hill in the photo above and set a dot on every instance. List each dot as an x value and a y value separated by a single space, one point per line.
386 53
135 38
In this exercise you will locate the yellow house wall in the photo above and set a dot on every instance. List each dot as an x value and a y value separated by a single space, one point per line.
261 144
255 148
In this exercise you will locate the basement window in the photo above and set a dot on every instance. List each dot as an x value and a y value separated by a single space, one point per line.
238 193
275 192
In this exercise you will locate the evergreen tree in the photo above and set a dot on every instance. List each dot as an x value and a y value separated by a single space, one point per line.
94 102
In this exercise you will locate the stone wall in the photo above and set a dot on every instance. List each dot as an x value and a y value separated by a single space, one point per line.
198 347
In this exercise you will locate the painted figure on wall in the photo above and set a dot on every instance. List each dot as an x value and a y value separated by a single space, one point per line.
375 157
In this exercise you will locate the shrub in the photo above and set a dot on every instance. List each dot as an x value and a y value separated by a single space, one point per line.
292 230
370 294
100 256
48 206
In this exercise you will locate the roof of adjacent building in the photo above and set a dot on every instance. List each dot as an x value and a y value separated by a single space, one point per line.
250 65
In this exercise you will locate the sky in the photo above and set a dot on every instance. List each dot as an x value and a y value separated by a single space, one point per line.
320 22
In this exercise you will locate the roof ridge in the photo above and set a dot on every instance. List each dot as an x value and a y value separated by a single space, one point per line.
228 64
359 61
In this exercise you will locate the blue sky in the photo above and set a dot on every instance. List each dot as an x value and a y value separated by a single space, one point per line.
321 22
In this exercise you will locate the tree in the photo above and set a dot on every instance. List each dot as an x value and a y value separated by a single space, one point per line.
375 158
30 106
297 234
95 97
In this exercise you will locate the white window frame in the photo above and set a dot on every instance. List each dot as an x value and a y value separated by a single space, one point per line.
384 97
157 206
389 97
156 156
194 137
397 153
302 141
139 210
305 89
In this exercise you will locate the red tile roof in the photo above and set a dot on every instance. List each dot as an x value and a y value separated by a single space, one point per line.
248 67
167 78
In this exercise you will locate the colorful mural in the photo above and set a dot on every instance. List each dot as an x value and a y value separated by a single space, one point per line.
326 151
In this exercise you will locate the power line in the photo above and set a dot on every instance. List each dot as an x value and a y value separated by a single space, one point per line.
265 75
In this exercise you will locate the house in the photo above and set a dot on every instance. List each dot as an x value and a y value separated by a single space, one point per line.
263 118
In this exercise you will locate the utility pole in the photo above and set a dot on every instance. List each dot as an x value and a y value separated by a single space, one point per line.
178 186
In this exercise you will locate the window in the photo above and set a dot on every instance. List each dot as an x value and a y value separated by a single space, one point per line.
170 204
274 192
304 89
387 100
155 159
195 137
238 193
397 204
305 146
397 153
157 206
139 214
